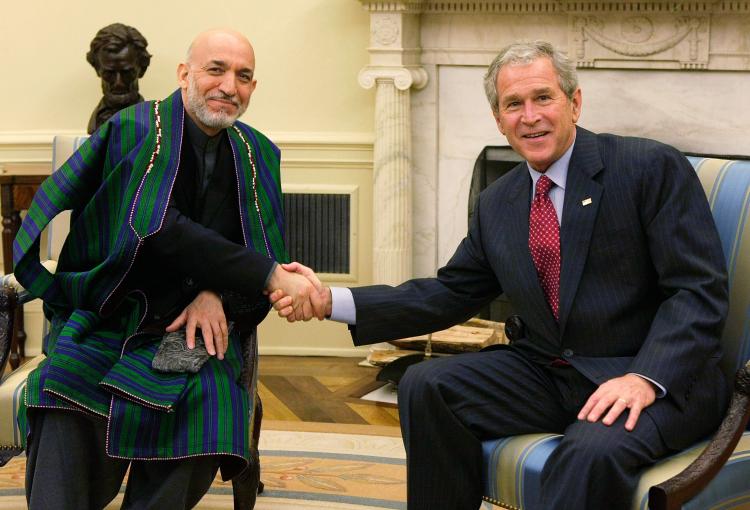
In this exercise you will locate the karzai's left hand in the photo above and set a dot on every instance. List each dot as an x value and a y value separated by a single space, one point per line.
206 312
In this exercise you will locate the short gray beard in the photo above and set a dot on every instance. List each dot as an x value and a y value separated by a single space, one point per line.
198 105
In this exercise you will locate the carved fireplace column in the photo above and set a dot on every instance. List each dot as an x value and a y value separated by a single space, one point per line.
393 71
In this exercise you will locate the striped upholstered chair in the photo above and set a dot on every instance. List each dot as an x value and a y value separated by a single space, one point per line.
709 475
12 386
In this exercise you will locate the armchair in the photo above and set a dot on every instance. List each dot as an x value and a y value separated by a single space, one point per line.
711 474
13 295
245 486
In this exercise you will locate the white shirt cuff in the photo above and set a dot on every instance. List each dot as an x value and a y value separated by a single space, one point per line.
662 391
342 306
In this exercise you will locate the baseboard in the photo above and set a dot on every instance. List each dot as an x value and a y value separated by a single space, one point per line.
352 352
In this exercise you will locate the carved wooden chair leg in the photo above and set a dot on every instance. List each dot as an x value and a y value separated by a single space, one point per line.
8 305
673 493
256 437
247 485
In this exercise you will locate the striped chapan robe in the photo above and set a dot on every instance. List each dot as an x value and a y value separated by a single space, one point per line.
118 185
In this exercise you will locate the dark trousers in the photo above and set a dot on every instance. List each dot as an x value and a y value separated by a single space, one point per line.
67 468
449 405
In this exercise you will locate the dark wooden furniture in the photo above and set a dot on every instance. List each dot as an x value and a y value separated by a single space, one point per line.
16 192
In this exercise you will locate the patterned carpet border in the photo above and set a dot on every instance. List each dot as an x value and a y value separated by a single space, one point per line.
303 465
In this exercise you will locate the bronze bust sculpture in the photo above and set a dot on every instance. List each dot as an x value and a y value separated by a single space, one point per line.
118 53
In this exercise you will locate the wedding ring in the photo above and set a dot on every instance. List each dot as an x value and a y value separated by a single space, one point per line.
623 401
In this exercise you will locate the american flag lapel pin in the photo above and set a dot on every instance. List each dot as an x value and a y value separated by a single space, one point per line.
586 201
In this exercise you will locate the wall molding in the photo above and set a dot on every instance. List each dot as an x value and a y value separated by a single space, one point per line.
319 150
298 149
29 147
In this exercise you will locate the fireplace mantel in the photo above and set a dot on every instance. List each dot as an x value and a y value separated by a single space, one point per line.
677 72
541 6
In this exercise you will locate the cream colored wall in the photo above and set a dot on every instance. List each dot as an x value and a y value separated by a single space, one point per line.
308 55
343 169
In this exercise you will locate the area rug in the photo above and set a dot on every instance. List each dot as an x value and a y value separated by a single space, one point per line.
305 466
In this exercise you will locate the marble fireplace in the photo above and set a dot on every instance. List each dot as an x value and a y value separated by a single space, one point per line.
678 72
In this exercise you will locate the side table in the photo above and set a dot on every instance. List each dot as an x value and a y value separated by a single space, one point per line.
16 193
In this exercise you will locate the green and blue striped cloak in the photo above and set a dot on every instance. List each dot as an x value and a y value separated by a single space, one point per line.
118 185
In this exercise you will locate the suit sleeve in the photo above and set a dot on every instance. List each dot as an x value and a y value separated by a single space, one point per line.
423 305
686 253
211 260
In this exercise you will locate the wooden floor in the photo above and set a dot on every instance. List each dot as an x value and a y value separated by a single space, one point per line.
320 389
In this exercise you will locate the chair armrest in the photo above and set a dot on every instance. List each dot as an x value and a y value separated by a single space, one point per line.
22 295
673 493
8 303
13 295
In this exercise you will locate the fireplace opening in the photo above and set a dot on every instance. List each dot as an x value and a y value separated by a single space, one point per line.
491 164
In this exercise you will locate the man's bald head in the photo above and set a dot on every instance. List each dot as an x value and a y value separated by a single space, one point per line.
217 36
217 78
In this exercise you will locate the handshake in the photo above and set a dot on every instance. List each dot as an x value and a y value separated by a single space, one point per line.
297 294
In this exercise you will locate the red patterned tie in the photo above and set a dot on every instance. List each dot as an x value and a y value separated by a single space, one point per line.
544 243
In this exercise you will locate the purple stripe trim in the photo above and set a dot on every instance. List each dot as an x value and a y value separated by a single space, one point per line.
75 325
182 439
100 363
135 357
115 138
46 203
240 176
69 380
63 182
142 120
32 230
170 173
133 208
76 163
209 448
109 343
142 124
114 430
210 405
127 384
238 419
103 223
263 175
269 186
268 183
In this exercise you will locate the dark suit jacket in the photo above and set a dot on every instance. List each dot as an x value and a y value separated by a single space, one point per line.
643 284
200 246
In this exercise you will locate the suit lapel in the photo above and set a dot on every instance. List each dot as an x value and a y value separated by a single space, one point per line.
518 245
582 198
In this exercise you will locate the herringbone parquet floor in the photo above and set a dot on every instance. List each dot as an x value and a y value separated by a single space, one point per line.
320 389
